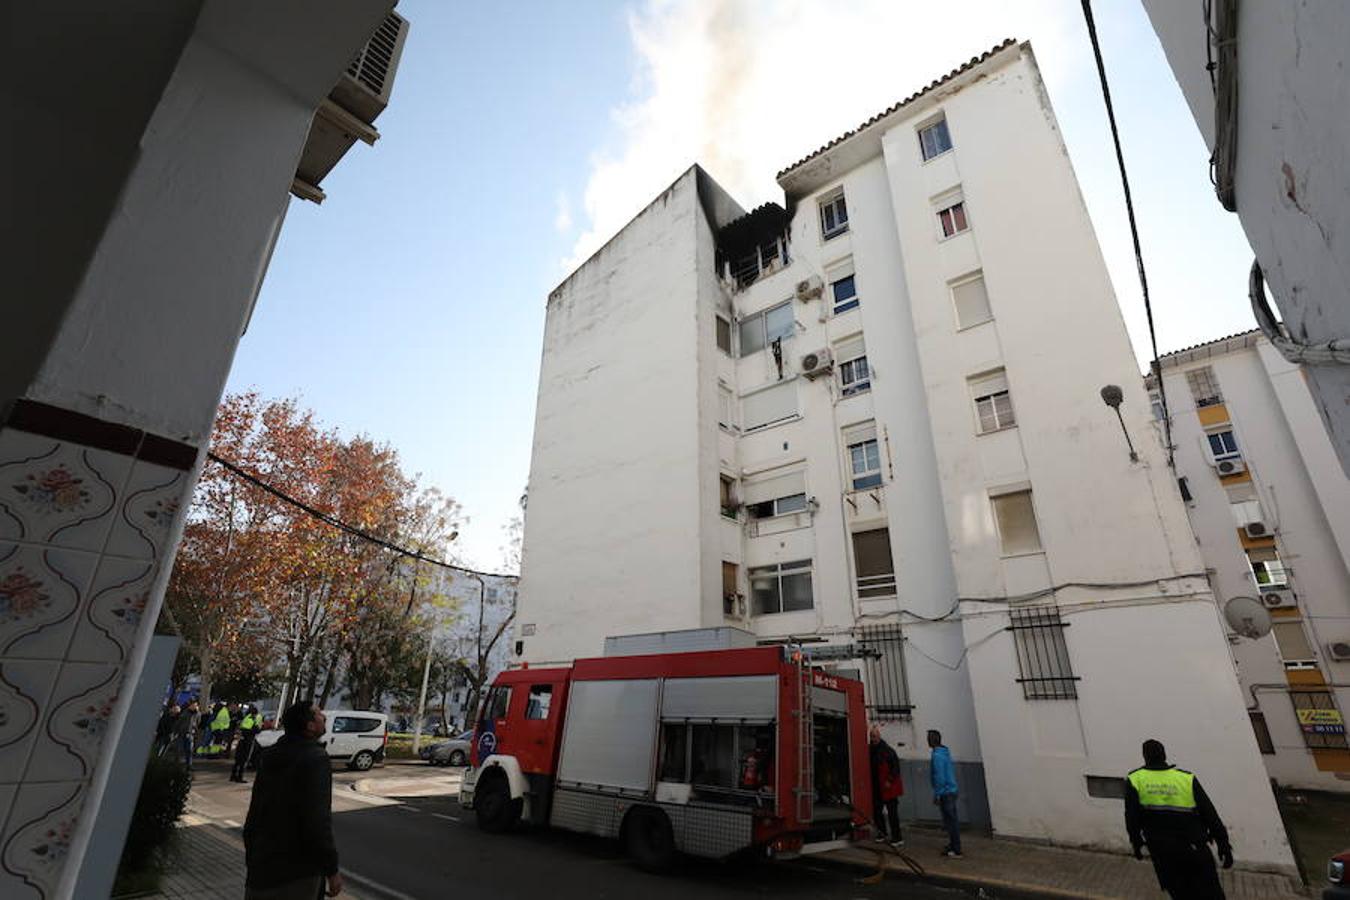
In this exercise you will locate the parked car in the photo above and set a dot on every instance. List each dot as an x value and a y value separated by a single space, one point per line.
454 752
356 738
1338 873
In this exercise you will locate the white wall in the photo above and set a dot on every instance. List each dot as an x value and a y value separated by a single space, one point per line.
1293 162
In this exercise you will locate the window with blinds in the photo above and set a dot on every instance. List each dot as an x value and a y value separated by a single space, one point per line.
777 495
874 565
851 363
864 456
1016 520
770 405
1292 642
993 403
1204 386
971 300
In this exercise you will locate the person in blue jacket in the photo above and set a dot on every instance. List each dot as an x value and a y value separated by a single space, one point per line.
943 775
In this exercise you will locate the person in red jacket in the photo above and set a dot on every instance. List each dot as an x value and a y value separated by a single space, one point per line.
887 788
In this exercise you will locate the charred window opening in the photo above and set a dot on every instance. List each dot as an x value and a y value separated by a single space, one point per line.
753 245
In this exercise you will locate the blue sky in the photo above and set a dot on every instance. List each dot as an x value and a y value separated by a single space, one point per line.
409 306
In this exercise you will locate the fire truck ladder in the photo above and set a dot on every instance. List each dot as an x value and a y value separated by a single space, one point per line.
805 791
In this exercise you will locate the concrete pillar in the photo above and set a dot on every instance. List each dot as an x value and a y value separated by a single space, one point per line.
143 277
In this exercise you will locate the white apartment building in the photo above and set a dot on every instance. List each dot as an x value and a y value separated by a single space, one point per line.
1270 506
873 416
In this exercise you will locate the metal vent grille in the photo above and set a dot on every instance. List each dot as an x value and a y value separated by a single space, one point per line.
371 65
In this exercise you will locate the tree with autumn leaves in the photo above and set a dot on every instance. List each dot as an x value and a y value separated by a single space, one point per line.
261 584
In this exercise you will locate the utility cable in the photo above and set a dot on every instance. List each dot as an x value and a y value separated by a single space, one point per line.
1134 229
335 522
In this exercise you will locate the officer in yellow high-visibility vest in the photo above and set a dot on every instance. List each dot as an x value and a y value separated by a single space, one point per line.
1168 811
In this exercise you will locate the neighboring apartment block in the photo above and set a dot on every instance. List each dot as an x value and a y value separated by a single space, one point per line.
1270 506
872 417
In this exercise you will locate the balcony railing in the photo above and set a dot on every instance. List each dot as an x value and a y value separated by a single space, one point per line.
768 258
875 587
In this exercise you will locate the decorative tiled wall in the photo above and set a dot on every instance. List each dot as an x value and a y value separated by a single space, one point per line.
87 510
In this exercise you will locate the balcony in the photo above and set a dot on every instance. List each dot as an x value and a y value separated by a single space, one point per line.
866 505
753 247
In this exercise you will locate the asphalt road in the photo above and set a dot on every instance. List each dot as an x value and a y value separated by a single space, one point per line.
427 847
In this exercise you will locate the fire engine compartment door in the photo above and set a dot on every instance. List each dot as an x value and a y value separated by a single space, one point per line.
747 698
609 735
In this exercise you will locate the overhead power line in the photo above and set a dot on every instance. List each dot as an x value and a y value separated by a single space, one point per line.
1134 229
335 522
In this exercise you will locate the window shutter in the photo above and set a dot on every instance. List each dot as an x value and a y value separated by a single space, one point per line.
859 433
1017 523
872 552
993 383
772 488
849 349
770 405
972 302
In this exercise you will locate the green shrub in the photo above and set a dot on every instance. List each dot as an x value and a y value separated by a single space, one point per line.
164 793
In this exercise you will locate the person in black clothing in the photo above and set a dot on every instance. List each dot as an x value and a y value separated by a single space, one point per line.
288 834
1168 811
164 729
249 726
887 787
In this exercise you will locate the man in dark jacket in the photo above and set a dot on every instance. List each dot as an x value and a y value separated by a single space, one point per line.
288 835
887 787
249 726
184 730
1168 811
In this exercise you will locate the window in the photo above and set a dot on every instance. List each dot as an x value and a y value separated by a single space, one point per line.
1185 487
971 301
1016 519
724 335
872 558
730 589
763 328
1204 387
776 496
710 757
993 405
1321 722
770 405
1292 642
354 725
727 496
833 215
541 697
952 219
498 701
845 294
1155 401
1222 445
1267 569
865 462
726 408
1262 732
785 587
883 653
854 375
934 140
1042 654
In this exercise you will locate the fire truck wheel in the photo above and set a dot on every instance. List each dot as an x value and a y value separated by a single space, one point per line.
497 812
649 840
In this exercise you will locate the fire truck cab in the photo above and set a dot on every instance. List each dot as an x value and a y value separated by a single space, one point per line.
706 752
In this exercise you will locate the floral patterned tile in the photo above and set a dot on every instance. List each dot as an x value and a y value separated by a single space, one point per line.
37 836
151 502
80 710
114 617
58 493
40 593
25 687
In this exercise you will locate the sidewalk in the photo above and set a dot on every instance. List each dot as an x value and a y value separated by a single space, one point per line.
1033 870
211 865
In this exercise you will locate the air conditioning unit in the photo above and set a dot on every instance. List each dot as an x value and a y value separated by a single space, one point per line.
816 364
1258 530
1339 651
1277 599
1229 466
810 288
349 111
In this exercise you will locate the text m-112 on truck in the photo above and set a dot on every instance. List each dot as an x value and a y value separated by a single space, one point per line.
708 753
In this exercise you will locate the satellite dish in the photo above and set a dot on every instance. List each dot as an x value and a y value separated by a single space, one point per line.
1247 616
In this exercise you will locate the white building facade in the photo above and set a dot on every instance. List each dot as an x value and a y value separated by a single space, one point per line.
874 418
1270 506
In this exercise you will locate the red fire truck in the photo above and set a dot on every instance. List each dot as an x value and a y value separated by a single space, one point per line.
707 752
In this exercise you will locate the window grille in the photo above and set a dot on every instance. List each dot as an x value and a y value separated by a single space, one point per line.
1319 719
1204 387
882 648
1042 655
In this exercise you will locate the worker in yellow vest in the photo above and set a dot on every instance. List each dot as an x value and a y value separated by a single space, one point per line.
249 726
1168 811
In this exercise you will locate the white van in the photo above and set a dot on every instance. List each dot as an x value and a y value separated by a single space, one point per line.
357 738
